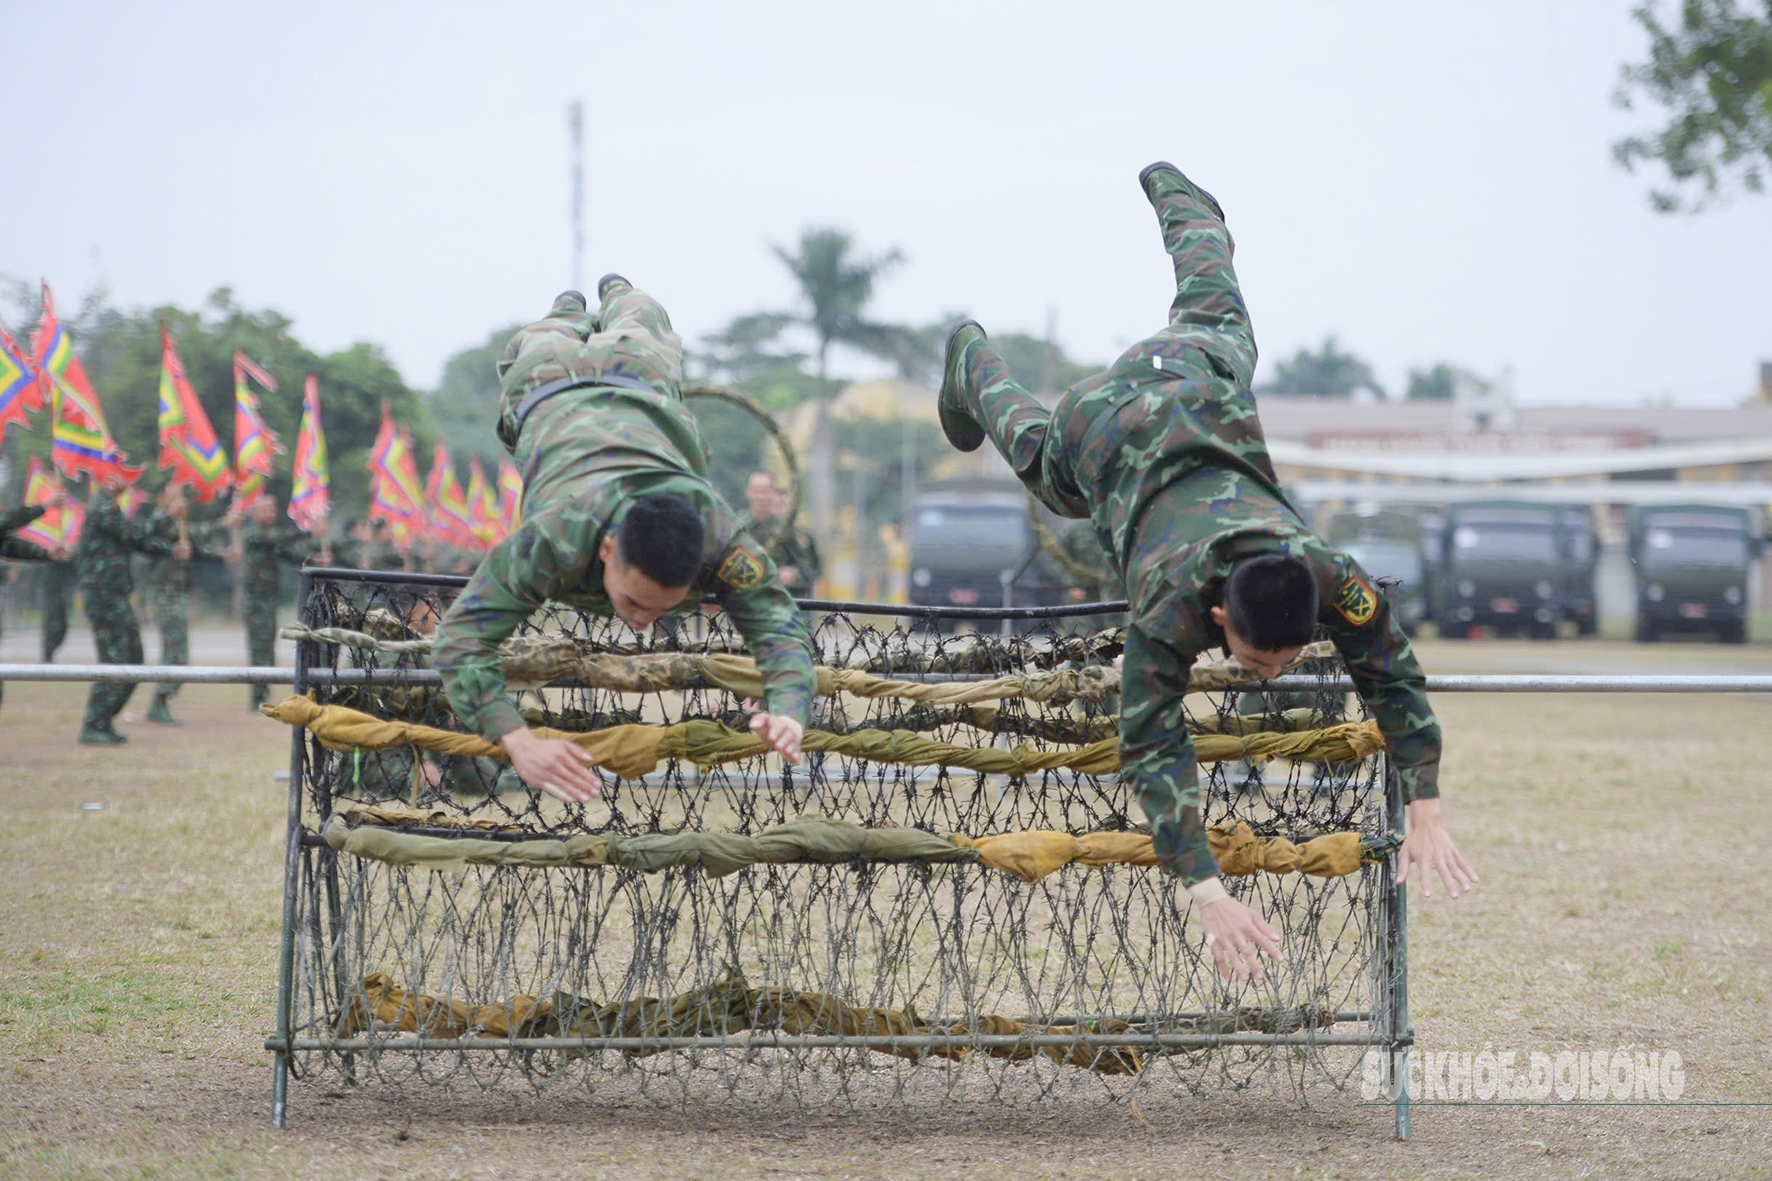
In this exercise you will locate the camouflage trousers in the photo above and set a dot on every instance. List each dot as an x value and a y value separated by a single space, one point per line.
261 640
629 335
1208 348
58 587
171 613
118 638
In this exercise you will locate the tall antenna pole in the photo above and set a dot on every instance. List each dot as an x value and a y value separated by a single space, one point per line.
575 122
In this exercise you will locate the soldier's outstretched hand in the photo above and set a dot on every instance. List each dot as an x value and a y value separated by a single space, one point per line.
1237 937
783 733
554 765
1430 846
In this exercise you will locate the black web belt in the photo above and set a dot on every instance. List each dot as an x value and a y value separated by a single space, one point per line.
542 393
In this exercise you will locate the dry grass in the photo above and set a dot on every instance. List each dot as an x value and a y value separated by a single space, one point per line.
1620 839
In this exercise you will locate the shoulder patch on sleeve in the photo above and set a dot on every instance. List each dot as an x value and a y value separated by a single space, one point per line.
741 570
1356 600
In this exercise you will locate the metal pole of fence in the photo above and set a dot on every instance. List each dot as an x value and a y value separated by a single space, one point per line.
291 873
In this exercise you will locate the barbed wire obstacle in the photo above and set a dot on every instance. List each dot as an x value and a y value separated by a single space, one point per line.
994 953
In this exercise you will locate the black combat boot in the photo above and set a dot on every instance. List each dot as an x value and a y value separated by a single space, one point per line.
958 407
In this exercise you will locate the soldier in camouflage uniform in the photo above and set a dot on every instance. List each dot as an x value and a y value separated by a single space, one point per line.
266 544
618 519
105 547
169 588
20 549
1164 454
792 548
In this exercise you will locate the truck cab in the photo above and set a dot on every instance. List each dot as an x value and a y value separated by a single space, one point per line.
1691 564
1387 544
1502 567
968 538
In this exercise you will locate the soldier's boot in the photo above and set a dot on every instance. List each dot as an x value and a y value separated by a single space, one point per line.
958 406
159 713
91 735
1165 179
568 303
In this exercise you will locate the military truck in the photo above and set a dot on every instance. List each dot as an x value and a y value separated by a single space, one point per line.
1691 563
1501 567
967 537
1387 543
1581 556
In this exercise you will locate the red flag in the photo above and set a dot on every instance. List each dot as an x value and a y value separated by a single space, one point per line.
59 526
81 444
311 498
449 521
394 494
21 390
187 442
254 442
482 506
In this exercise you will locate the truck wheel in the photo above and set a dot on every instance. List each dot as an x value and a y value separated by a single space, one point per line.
1542 631
1586 627
1452 629
1646 633
1733 633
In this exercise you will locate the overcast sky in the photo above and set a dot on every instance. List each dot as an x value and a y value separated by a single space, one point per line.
1425 182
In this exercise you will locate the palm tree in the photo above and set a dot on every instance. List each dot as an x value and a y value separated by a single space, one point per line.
835 287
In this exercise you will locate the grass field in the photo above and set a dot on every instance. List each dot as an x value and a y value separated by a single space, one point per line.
1620 841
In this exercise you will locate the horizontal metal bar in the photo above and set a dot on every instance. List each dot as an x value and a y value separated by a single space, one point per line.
1456 683
1303 1037
191 674
390 577
1558 683
933 611
904 610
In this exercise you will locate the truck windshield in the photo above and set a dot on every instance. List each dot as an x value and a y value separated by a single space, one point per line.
1508 542
982 536
1697 547
1386 559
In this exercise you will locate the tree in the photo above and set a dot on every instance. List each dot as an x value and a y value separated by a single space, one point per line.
1436 384
1327 374
835 287
1714 73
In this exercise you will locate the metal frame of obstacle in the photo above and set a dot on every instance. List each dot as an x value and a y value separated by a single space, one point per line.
1390 1031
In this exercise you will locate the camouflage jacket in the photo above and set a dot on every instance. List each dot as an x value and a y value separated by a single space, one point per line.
167 576
1181 551
19 547
788 547
106 543
585 456
264 549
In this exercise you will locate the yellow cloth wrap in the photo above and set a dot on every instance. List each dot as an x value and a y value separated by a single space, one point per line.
1105 1059
1116 848
1030 855
633 751
380 1001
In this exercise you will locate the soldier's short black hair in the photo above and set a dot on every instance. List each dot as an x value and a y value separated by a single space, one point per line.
662 536
1270 600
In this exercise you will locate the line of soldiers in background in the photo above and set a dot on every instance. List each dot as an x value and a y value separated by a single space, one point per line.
266 544
101 570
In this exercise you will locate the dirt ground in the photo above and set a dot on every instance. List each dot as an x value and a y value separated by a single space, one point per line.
1620 840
